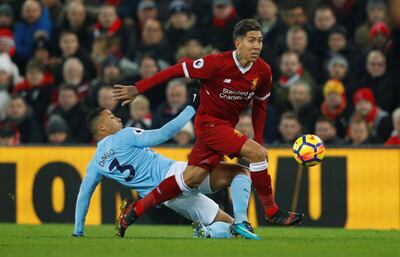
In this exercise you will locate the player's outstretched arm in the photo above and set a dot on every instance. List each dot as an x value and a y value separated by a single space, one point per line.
145 138
88 185
126 94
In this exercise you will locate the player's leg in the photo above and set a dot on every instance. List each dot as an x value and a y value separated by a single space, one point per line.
168 189
172 186
256 155
238 178
224 139
208 220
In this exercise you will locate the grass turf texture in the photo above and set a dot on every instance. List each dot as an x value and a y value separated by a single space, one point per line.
140 240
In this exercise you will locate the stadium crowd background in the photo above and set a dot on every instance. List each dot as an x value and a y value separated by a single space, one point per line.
335 71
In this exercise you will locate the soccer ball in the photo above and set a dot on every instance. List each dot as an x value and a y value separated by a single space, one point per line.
308 150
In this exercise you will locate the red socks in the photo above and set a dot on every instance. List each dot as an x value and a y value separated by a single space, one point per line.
262 183
167 190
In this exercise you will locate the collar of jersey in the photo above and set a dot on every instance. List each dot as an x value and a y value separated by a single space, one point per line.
101 141
242 69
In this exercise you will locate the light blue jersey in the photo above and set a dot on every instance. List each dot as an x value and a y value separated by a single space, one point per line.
125 157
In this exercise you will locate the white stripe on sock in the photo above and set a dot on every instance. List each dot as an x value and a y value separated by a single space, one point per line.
258 166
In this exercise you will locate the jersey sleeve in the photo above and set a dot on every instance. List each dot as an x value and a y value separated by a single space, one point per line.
147 138
264 90
89 184
202 68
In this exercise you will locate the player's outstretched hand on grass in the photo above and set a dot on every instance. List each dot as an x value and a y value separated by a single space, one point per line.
194 98
126 94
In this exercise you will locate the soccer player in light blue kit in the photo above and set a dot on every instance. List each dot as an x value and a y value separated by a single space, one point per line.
124 155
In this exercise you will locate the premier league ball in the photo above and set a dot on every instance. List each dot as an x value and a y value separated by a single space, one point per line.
308 150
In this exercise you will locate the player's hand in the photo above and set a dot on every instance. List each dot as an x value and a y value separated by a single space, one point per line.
194 98
126 94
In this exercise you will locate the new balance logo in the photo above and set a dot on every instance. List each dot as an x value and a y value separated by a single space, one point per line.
227 81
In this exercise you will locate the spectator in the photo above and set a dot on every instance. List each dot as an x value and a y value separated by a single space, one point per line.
349 13
290 70
110 75
379 36
338 44
334 105
148 66
154 43
185 136
394 139
300 102
7 42
21 119
73 113
181 24
385 90
338 68
289 128
140 115
176 95
6 16
99 52
146 10
218 32
69 45
55 9
192 49
35 22
73 74
77 20
359 133
106 101
41 51
378 120
326 130
8 136
297 41
376 11
110 25
36 88
7 78
324 21
273 28
295 15
57 131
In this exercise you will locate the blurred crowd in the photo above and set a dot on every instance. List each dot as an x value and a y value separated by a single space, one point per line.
335 67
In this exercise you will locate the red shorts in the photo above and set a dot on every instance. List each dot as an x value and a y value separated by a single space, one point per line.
214 140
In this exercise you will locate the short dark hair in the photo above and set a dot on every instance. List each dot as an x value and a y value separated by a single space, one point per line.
92 117
288 115
67 32
67 87
35 64
244 26
294 5
326 120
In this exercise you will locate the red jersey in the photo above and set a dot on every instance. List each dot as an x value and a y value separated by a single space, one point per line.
227 87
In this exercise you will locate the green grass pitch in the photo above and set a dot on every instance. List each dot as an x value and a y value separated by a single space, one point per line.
144 240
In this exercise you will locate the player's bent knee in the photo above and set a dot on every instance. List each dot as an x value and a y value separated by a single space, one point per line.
258 154
193 179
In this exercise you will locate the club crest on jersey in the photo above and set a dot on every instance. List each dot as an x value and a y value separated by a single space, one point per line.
254 84
198 64
237 133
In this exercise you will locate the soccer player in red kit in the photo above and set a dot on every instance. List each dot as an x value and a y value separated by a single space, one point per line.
230 81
